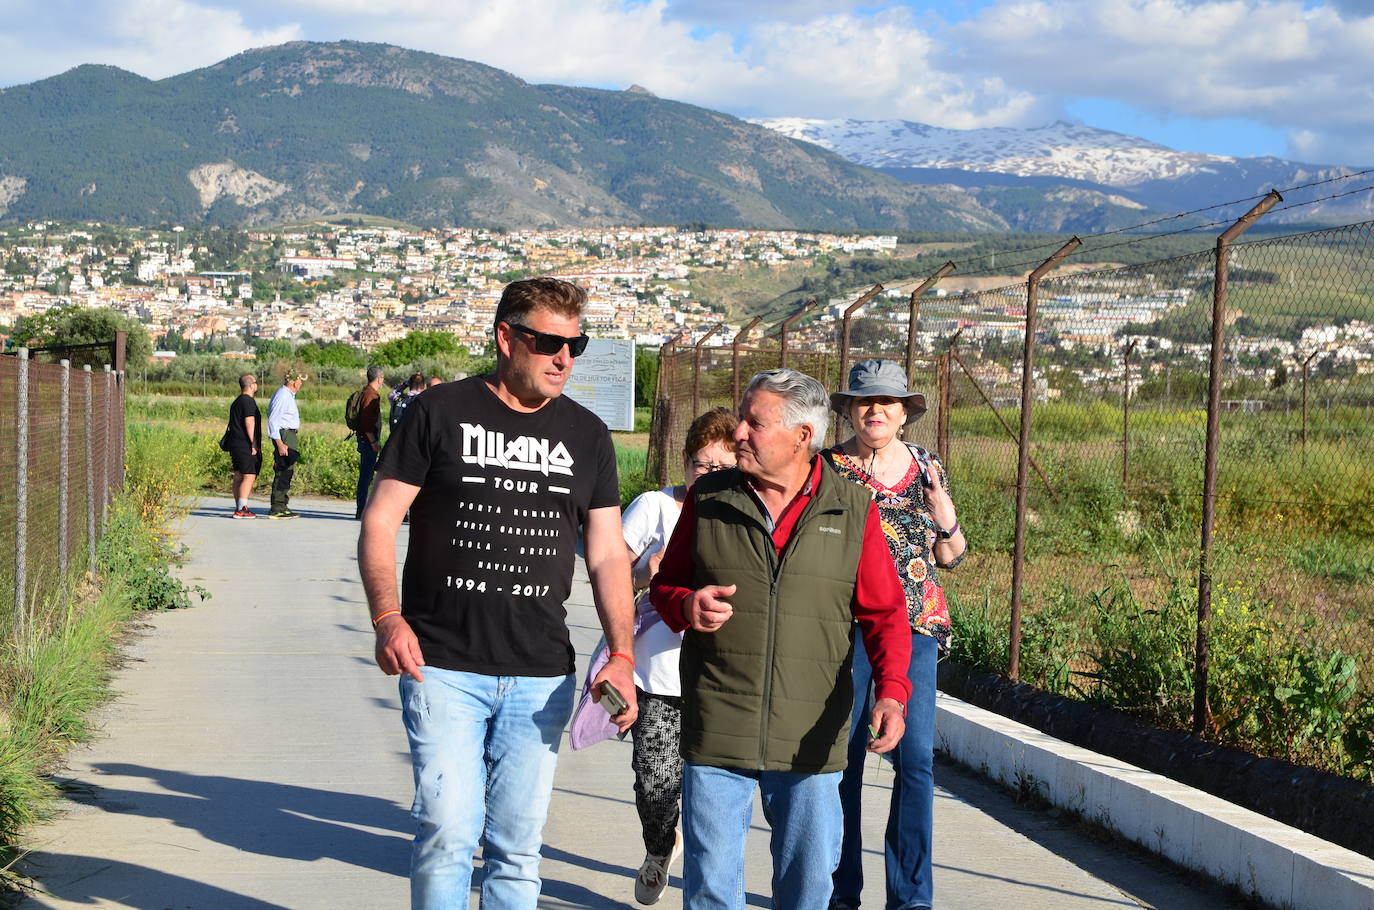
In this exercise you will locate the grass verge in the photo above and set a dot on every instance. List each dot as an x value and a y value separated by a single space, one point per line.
57 669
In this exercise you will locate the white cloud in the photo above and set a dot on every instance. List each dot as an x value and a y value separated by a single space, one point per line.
842 64
153 38
1276 62
722 12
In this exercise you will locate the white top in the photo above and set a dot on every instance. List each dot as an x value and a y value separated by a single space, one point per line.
648 523
282 413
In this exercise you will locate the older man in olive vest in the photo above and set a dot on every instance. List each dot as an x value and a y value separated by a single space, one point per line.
769 568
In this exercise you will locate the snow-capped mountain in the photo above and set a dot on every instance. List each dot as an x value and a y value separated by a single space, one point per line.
1141 171
1058 150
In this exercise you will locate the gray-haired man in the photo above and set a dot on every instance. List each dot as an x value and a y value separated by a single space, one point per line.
768 569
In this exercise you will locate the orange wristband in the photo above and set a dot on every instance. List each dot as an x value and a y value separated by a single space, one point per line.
378 619
623 655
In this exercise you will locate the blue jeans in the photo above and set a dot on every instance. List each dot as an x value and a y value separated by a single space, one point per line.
804 813
367 464
483 750
906 845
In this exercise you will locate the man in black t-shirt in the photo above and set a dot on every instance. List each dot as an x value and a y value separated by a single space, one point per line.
243 442
499 472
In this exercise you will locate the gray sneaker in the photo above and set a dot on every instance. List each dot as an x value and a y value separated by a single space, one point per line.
653 874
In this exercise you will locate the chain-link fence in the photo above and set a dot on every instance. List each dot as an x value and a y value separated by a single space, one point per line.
59 465
1113 520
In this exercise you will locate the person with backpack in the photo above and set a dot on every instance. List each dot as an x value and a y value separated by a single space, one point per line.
402 396
363 415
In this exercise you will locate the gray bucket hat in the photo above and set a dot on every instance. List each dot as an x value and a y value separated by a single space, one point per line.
879 379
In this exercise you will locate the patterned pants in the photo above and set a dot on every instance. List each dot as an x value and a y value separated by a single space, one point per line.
657 764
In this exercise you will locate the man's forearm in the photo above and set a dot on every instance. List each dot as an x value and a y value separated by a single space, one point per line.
614 602
377 566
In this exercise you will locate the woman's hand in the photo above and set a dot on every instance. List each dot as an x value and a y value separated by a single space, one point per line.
938 501
948 551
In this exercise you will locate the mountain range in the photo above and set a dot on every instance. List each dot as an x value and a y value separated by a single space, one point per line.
309 130
1071 155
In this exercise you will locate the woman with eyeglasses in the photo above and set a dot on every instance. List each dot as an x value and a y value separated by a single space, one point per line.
648 523
911 489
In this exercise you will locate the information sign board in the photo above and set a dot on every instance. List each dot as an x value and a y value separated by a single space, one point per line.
603 381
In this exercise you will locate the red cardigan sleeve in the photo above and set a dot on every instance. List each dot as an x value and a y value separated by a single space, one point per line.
880 609
671 584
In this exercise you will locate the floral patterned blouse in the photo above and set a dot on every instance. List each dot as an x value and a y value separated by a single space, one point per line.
910 532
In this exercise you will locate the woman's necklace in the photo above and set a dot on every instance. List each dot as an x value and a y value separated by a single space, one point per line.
872 457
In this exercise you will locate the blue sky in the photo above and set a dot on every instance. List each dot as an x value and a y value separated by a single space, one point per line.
1291 78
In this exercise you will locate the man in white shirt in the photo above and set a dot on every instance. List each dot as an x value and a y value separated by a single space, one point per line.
283 422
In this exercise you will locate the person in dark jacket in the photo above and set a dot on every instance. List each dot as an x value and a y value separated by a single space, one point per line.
769 567
369 436
401 398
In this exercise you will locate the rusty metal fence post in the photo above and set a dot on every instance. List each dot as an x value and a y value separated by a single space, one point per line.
1126 422
90 474
787 324
1305 362
105 484
1023 452
64 473
1201 709
21 492
696 368
845 328
913 317
943 376
734 359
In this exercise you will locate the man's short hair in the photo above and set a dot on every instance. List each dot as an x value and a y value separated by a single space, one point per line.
374 372
246 380
804 400
520 298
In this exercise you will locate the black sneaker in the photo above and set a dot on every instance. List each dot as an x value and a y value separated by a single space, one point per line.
284 513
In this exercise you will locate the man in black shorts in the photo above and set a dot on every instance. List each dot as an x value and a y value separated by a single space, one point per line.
243 439
499 473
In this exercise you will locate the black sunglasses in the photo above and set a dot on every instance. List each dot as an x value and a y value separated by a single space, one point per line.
549 344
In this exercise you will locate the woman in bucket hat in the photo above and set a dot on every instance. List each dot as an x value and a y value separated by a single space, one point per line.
911 490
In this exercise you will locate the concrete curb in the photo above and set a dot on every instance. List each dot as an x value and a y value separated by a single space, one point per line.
1273 862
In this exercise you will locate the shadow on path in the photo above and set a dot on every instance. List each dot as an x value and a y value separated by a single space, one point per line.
279 820
1127 867
96 880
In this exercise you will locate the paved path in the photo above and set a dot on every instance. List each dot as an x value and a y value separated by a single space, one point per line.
255 759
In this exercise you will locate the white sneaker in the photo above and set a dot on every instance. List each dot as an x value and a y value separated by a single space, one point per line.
653 875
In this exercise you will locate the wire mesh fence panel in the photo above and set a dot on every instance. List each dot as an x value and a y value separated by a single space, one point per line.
691 382
71 460
43 571
984 395
100 433
78 428
1295 503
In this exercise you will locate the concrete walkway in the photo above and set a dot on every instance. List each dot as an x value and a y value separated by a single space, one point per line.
255 759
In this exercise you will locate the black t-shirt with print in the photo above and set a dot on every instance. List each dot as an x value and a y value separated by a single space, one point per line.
244 407
494 527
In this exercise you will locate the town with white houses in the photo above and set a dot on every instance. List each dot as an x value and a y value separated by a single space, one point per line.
368 285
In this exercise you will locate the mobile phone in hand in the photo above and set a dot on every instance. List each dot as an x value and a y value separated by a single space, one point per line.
611 699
